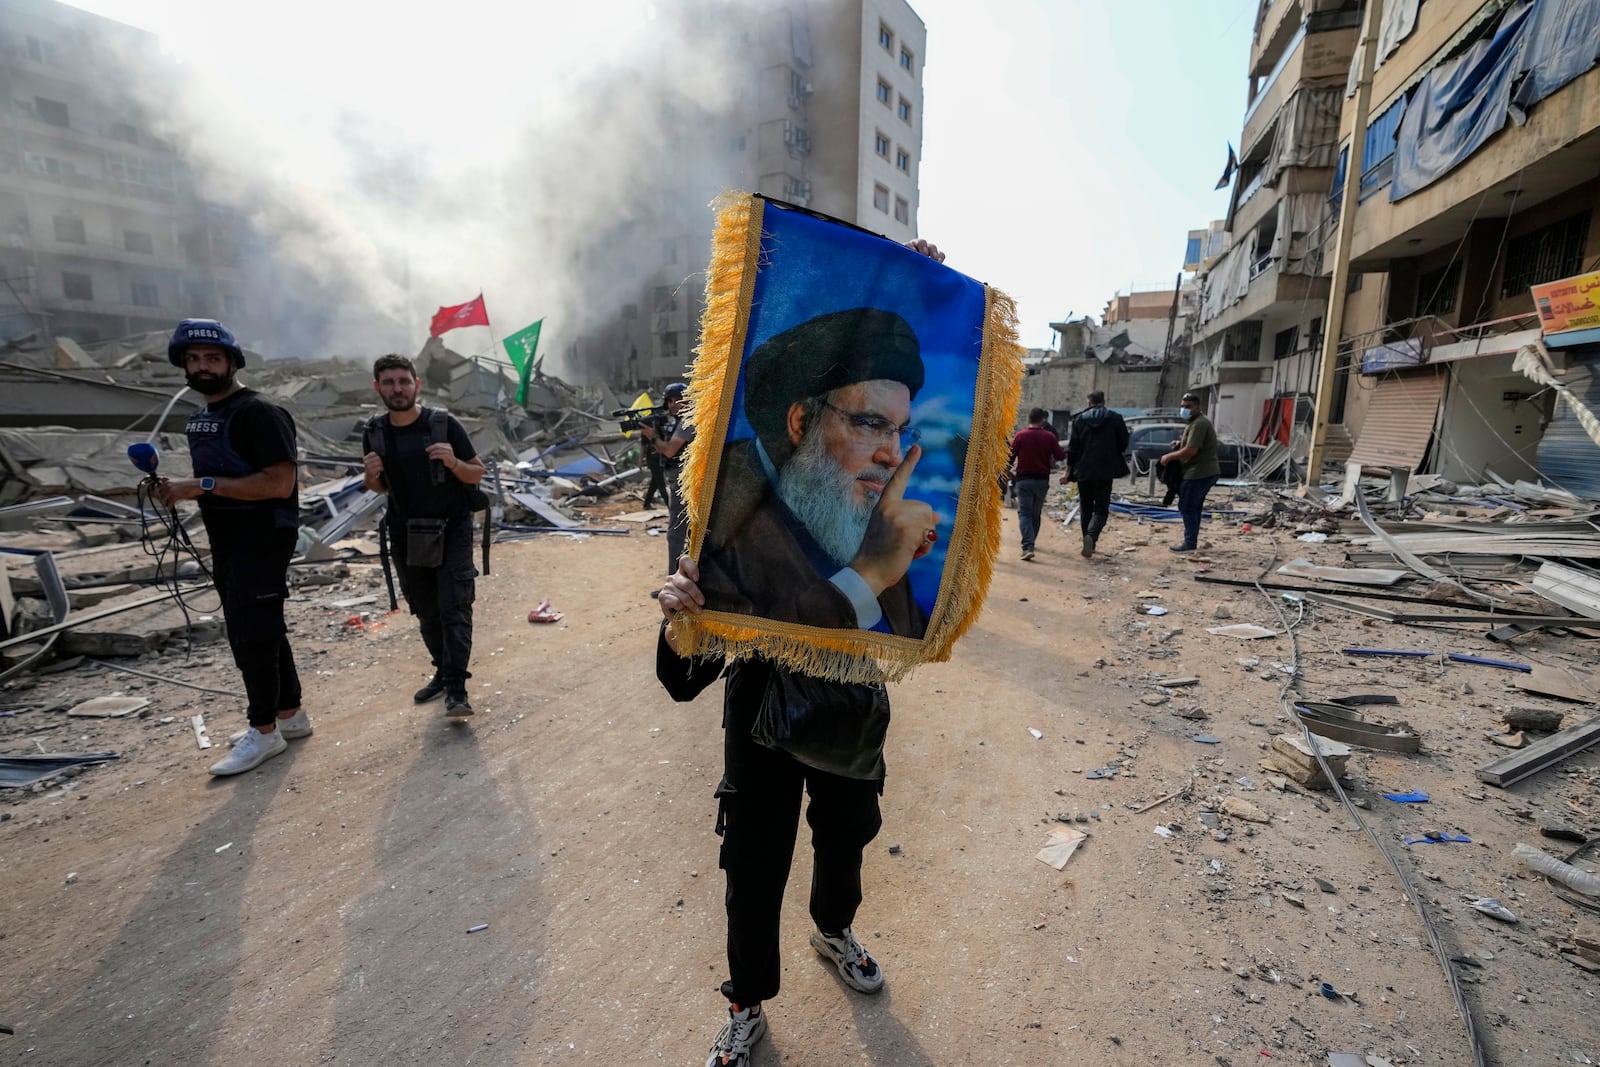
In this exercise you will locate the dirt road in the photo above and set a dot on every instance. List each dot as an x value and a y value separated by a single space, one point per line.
317 911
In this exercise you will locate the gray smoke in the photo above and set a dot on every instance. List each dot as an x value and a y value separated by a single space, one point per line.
392 166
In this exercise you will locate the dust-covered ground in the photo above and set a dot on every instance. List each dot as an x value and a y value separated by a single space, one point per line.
316 911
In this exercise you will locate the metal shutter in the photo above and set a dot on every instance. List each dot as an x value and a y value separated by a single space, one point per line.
1567 457
1400 420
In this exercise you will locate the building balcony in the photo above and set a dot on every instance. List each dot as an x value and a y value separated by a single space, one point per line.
1314 57
1269 288
1556 150
1279 22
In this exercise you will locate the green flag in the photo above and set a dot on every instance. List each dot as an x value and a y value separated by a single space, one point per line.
521 347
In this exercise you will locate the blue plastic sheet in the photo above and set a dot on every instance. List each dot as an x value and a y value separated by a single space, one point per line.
1458 106
1562 42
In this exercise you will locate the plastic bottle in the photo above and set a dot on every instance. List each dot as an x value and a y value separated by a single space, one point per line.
1568 875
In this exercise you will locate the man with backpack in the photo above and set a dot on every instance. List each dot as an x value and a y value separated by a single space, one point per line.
424 460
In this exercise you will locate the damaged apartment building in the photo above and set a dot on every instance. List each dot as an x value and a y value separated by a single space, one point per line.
1474 238
829 117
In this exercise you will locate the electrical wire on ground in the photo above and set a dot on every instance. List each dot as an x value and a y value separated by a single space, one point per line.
1434 941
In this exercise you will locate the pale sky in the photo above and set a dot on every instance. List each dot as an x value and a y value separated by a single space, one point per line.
1068 145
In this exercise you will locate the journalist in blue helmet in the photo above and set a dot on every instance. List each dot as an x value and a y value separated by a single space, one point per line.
244 454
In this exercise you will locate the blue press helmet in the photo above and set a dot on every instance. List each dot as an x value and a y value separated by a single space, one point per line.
203 332
675 389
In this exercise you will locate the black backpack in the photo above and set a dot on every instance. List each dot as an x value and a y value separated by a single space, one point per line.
375 437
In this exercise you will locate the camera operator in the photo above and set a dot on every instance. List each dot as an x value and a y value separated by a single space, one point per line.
668 439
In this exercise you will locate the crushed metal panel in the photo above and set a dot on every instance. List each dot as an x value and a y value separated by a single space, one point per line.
1400 421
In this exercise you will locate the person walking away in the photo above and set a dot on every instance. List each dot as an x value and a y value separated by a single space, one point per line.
244 454
668 443
425 462
1034 451
1095 451
1197 452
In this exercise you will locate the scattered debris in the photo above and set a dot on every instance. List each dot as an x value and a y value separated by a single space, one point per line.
1243 809
1246 631
1557 870
1291 756
1060 846
1492 907
1509 770
198 723
111 707
1413 797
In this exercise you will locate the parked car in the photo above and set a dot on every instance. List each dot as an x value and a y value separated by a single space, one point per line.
1148 442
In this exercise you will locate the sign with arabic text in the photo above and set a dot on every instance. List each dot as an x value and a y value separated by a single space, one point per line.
1569 304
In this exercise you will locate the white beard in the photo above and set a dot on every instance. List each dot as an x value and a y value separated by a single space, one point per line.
822 496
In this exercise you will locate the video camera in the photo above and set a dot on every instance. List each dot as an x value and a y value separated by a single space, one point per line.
633 418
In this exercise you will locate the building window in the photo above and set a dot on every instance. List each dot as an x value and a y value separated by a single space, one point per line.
669 345
902 160
146 295
1284 342
50 165
69 230
142 243
886 37
664 298
880 197
905 109
75 286
136 171
1436 290
902 210
52 111
122 131
1355 283
885 93
882 146
1548 253
669 251
907 62
232 304
42 51
630 311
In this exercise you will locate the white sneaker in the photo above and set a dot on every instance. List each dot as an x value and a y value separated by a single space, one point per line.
254 749
745 1027
294 727
856 965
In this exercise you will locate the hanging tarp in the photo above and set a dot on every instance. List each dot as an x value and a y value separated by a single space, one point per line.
1298 242
1458 106
1307 133
1562 42
1400 420
1227 283
1567 456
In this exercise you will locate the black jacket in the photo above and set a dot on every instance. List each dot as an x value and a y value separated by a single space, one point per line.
1095 449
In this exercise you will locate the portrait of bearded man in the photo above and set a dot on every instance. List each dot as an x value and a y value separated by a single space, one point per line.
812 524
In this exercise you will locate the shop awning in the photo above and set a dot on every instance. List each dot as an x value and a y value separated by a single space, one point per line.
1400 420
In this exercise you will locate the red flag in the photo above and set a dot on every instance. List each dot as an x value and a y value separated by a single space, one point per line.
472 313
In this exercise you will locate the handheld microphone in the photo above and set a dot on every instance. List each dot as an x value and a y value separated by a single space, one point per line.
144 456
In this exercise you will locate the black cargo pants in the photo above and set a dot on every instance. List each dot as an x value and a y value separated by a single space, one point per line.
441 598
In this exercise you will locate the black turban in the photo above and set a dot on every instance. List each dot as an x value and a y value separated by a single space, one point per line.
823 354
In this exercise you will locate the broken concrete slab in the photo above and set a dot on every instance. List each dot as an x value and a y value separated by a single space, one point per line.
109 707
1292 757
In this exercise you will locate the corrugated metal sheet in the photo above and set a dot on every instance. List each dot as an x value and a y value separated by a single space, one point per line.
1400 420
1567 457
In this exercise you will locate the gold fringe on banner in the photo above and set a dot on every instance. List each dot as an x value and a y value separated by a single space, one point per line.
841 655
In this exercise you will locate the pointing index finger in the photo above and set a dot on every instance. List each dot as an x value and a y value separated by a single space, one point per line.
896 489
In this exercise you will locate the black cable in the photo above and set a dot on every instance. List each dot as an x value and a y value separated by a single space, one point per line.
166 541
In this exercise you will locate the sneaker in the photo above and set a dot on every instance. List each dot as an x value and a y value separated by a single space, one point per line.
856 965
294 727
745 1027
430 691
1027 553
456 705
254 749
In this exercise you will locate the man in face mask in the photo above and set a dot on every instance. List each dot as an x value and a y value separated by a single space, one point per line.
243 451
1197 452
